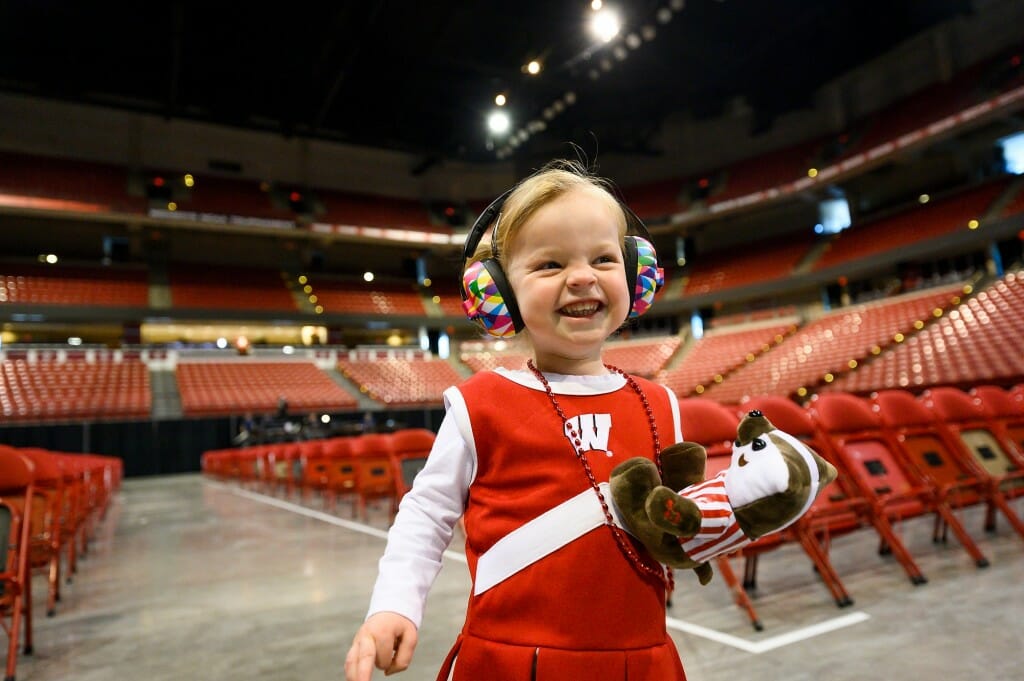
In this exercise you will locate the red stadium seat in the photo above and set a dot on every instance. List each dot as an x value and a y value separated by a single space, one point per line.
980 437
934 451
895 489
374 479
15 501
409 450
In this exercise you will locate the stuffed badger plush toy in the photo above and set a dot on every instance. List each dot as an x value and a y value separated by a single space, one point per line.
685 521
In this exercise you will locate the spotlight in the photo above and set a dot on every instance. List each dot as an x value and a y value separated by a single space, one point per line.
498 122
605 25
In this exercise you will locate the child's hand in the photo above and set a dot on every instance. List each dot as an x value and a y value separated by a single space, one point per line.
386 640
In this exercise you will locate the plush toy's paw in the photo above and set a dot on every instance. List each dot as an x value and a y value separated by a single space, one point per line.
631 483
672 513
704 573
683 464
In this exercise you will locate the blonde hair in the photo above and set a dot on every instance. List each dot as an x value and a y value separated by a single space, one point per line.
555 179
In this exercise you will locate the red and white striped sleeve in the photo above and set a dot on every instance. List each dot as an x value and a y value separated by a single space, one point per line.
719 532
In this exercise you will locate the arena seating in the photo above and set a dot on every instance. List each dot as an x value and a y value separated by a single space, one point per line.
255 386
828 345
919 223
54 390
73 285
358 297
229 288
401 381
981 340
754 264
485 356
85 186
642 356
719 352
378 211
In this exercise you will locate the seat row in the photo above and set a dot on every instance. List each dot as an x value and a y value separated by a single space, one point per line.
50 506
900 457
357 469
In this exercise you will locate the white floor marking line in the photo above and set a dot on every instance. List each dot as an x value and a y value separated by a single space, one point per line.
758 647
318 515
753 647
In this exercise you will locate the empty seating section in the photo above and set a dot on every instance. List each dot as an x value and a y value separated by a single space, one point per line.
48 389
92 184
830 345
981 340
375 211
352 297
448 299
396 381
937 218
759 262
656 200
766 171
643 357
716 354
230 197
927 106
229 288
484 356
73 285
236 387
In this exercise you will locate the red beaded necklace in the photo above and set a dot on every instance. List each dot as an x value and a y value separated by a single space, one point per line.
617 532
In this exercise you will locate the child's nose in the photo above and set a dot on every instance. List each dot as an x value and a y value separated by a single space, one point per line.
580 275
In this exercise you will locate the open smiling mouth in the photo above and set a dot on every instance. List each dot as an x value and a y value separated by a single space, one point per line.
581 309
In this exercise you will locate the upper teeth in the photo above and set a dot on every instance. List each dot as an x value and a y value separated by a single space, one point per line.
580 309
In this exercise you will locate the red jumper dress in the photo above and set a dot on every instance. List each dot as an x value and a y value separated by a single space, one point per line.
585 611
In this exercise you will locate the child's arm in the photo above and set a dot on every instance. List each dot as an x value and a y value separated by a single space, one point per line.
416 542
386 640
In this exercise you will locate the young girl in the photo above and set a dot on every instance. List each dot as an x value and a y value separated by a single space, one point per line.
559 590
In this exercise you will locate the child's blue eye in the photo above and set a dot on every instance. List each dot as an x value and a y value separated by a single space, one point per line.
551 265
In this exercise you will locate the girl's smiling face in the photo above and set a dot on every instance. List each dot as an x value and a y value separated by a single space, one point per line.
566 268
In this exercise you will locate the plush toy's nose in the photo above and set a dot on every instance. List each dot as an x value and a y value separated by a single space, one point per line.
754 414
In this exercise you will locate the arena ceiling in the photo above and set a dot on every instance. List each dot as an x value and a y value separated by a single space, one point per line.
420 77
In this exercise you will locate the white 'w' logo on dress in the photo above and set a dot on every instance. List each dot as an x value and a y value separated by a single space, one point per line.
592 431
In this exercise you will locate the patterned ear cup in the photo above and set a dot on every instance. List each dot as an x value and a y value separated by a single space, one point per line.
642 263
487 299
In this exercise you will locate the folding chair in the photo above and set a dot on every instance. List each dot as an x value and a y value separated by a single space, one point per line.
980 439
74 510
409 450
714 426
313 467
1006 410
45 526
932 449
341 472
16 478
374 477
840 510
894 488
